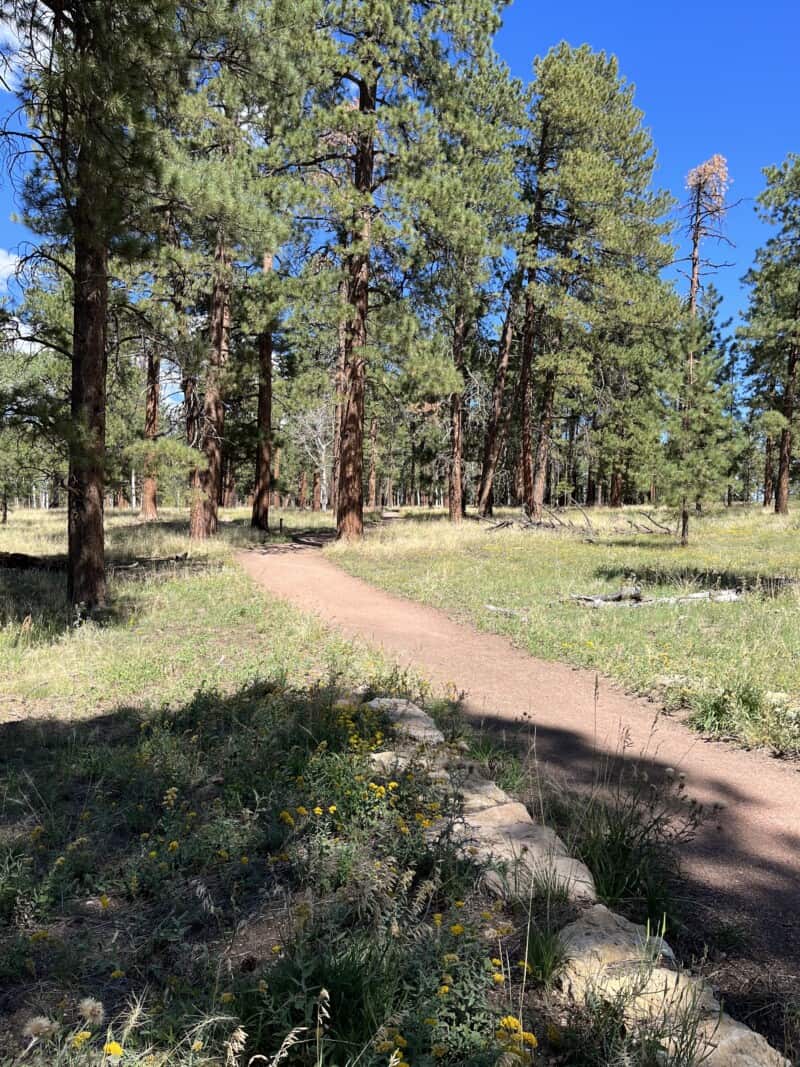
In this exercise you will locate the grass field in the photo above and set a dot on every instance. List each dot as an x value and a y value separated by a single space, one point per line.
187 814
732 665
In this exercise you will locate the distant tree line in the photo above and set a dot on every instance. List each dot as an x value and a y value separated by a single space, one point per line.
330 253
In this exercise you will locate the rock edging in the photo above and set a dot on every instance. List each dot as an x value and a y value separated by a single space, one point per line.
608 956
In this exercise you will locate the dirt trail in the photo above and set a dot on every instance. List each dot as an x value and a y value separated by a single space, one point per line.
749 871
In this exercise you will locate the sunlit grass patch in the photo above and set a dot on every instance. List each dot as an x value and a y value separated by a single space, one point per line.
685 654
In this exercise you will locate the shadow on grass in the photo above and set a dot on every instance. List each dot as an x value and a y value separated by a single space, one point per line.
742 931
703 577
201 857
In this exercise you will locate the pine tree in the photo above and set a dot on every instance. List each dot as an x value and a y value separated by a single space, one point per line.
772 332
91 68
594 234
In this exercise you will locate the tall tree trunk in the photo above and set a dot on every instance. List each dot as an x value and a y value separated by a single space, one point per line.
372 501
615 489
203 521
526 406
4 508
546 411
350 488
500 411
86 578
685 522
338 382
149 482
456 483
785 447
302 491
769 473
259 519
316 492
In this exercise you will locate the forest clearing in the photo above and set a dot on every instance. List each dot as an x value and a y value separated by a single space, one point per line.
399 566
119 875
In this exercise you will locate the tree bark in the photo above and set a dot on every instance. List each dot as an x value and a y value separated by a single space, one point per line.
86 578
372 501
316 492
497 426
615 491
769 473
259 519
785 447
149 510
546 412
302 491
456 482
684 522
350 487
338 382
203 522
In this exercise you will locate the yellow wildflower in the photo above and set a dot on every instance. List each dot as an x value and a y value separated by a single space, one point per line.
285 817
112 1048
457 929
245 860
318 810
117 973
197 1046
443 990
437 1051
430 1021
276 949
227 998
498 978
173 846
80 1039
497 962
301 809
331 809
510 1022
104 901
437 918
458 903
530 1039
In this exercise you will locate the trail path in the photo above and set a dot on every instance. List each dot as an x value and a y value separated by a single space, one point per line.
748 872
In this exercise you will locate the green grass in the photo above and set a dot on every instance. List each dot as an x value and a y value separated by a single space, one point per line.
732 665
187 816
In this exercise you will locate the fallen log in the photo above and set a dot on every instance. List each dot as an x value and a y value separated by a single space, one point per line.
721 596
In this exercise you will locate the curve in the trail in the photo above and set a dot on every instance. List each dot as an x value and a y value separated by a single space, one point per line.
749 869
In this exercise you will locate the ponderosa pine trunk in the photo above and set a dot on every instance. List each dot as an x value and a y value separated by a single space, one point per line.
372 498
259 519
86 577
456 479
204 519
499 413
684 522
338 383
769 473
615 489
302 491
4 508
149 510
785 446
350 487
547 399
526 406
316 493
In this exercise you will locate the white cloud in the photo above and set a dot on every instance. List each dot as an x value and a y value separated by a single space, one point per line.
8 264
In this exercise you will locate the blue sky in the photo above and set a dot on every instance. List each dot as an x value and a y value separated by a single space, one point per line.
710 77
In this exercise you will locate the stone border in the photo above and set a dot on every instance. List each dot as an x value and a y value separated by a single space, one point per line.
608 956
